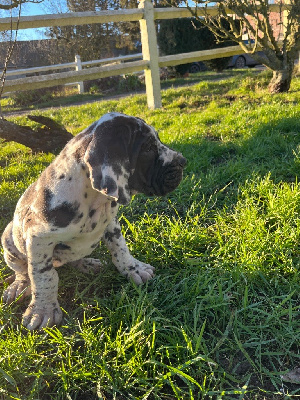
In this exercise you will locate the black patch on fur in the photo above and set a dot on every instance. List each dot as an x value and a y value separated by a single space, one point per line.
109 236
94 225
122 198
47 268
91 213
62 246
109 184
78 218
117 169
115 234
62 176
60 216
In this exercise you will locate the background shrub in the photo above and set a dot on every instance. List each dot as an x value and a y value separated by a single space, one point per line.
129 82
29 97
122 84
185 35
103 84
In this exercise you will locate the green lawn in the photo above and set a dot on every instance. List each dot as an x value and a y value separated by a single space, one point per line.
221 318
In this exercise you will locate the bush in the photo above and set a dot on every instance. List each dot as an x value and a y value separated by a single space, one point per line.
29 97
121 84
185 35
102 84
129 83
94 89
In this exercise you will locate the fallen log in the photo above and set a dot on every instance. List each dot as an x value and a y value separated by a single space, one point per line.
51 137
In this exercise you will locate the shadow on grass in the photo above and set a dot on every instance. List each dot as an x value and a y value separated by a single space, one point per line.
273 149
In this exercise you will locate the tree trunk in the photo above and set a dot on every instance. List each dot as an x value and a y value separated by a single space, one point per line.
50 138
281 81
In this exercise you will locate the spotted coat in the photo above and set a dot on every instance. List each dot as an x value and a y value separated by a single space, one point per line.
73 205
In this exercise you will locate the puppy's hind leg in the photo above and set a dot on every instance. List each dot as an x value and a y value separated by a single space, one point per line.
43 310
20 287
87 265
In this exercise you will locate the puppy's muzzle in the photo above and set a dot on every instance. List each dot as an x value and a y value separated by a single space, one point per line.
170 175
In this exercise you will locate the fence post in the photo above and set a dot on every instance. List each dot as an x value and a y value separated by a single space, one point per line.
150 53
78 67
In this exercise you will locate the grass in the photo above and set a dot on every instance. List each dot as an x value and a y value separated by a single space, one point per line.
68 95
221 318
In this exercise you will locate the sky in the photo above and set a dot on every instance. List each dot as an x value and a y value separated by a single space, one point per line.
35 9
46 7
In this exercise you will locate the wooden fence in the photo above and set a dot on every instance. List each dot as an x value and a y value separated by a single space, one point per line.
77 65
146 14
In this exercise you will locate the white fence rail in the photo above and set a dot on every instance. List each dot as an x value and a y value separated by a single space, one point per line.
77 65
146 14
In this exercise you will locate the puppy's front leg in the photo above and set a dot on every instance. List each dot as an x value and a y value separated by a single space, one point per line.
43 309
127 265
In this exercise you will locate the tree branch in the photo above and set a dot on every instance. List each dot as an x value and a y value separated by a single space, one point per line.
9 54
16 3
254 16
51 137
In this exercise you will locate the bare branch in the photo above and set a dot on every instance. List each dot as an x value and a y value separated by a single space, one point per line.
16 3
254 17
9 54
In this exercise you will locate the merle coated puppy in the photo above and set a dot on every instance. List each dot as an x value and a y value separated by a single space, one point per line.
73 205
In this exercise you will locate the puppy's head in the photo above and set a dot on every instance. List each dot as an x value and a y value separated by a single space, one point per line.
125 156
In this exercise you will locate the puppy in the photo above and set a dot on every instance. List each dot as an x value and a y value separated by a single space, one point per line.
73 205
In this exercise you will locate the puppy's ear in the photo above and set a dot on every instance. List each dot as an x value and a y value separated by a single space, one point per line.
108 159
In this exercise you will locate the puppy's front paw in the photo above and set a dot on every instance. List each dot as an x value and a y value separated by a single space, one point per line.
41 316
20 287
139 272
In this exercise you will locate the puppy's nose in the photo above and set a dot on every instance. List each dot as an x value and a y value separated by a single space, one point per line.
182 160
